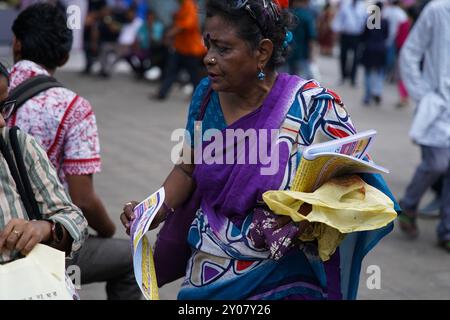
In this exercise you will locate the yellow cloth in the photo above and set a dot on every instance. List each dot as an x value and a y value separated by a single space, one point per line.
341 205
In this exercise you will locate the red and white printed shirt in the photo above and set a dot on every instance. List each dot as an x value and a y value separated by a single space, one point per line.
61 121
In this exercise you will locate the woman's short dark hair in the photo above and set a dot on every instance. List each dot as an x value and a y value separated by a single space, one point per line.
43 33
269 24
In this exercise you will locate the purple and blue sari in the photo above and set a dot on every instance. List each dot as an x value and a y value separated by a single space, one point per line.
211 240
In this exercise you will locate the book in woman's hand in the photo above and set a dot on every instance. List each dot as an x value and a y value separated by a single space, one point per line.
323 161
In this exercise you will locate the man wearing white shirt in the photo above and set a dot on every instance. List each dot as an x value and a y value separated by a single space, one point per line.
349 23
129 32
429 40
112 52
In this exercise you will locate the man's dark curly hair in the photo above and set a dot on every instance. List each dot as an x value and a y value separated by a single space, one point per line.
267 25
43 33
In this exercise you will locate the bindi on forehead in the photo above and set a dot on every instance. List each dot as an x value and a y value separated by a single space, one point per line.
216 26
220 39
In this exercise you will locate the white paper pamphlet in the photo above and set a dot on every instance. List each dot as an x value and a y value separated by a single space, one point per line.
144 268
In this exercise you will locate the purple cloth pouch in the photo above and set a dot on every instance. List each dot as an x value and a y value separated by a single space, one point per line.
172 250
266 234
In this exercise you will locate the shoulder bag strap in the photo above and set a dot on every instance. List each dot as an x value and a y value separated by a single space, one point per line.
18 155
15 174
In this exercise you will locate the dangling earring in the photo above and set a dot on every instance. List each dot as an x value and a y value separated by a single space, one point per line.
261 75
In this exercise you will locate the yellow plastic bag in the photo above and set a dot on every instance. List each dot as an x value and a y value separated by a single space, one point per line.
341 205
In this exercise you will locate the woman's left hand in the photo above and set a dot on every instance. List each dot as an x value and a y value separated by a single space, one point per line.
23 235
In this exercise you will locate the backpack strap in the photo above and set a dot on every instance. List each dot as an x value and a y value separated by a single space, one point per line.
17 178
18 155
30 88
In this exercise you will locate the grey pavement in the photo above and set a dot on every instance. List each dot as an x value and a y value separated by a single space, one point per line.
136 151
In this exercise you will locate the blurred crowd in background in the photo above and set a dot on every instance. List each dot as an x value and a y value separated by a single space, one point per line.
144 34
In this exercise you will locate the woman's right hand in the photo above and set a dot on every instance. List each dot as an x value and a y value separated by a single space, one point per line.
127 216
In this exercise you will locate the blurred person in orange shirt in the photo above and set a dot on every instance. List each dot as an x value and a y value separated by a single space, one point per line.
187 47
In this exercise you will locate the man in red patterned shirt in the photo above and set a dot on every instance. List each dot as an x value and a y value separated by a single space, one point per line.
64 123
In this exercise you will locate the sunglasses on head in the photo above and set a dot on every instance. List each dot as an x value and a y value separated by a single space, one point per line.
269 8
7 108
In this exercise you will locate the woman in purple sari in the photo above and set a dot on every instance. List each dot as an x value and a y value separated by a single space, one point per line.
246 129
